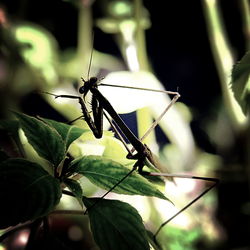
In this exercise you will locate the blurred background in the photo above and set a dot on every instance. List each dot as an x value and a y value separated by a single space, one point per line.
175 45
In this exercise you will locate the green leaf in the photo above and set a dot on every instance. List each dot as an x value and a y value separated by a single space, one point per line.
107 173
116 225
27 192
67 132
241 83
43 138
75 188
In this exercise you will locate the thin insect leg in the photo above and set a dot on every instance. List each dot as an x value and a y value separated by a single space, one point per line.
156 122
119 182
91 55
96 130
76 119
63 96
138 88
118 133
214 180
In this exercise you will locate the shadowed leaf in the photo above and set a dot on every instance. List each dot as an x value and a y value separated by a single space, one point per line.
116 225
27 192
75 188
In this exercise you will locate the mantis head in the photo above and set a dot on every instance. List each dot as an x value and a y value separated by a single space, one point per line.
91 83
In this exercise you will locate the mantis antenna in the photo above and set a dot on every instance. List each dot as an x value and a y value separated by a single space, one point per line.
91 56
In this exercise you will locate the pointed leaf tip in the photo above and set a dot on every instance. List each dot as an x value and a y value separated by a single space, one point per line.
43 138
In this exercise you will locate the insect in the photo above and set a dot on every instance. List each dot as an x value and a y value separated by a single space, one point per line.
100 107
143 156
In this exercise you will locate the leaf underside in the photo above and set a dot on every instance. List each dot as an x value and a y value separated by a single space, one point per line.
27 192
116 225
106 173
75 188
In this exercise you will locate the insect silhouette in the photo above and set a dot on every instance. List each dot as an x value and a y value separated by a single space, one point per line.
140 152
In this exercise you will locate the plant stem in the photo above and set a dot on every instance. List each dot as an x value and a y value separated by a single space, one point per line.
140 38
85 43
224 58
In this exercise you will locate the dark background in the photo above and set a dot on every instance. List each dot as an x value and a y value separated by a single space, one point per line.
177 45
177 42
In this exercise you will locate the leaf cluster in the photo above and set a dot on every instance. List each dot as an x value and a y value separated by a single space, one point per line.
29 192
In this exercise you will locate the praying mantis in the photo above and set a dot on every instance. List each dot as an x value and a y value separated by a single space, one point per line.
100 107
140 152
